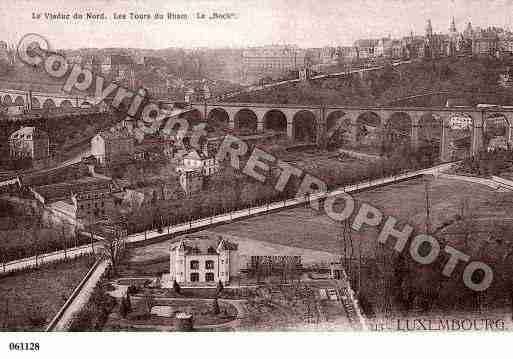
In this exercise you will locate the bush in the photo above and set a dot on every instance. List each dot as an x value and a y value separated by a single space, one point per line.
94 315
215 307
176 287
132 289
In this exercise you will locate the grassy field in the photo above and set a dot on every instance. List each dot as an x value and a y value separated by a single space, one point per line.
29 300
306 228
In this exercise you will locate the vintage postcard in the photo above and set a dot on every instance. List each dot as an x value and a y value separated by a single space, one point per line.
255 166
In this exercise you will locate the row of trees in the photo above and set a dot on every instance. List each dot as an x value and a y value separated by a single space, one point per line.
488 163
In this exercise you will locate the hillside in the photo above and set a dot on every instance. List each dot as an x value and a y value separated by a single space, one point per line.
476 80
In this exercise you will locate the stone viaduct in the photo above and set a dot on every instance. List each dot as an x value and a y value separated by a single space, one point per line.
325 118
39 100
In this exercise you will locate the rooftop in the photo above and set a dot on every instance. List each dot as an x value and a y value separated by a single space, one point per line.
117 133
203 244
28 133
66 189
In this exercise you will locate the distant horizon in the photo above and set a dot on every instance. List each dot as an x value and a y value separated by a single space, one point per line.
304 23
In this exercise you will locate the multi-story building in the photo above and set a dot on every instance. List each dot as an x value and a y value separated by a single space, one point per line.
442 45
29 142
86 200
203 260
413 46
272 60
200 161
485 43
93 201
327 55
5 52
347 53
384 47
397 50
366 48
195 166
114 146
191 181
154 62
506 44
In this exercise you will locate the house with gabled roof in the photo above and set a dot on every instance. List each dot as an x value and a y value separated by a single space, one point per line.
203 260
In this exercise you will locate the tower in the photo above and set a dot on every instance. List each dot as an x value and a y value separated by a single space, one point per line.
429 29
453 39
468 31
452 29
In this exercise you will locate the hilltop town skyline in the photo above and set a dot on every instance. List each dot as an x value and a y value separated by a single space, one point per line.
278 22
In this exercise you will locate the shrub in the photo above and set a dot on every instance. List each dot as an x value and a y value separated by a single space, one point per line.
176 287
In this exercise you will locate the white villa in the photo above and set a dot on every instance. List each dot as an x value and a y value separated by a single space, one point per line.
203 260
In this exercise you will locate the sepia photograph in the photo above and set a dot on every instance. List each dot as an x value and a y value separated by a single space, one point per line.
207 171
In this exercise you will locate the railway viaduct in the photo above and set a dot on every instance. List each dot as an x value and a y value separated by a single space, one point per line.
324 119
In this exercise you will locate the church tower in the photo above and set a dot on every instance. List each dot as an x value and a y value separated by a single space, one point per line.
429 29
452 29
468 31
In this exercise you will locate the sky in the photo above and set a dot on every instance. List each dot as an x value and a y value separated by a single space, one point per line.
306 23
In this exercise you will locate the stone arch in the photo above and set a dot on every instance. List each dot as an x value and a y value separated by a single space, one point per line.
7 100
124 105
66 105
430 134
20 101
333 119
49 104
397 131
304 126
368 129
275 120
459 136
218 117
194 116
246 119
496 131
338 129
430 128
36 105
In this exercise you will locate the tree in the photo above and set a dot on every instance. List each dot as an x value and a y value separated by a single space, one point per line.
5 67
176 287
128 302
110 247
215 307
148 301
219 288
124 307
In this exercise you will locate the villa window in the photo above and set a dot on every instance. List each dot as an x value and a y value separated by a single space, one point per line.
194 277
209 277
194 264
209 264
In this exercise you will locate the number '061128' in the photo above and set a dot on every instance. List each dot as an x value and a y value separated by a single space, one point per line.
24 346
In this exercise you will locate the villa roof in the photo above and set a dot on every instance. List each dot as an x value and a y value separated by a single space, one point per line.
195 155
202 244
